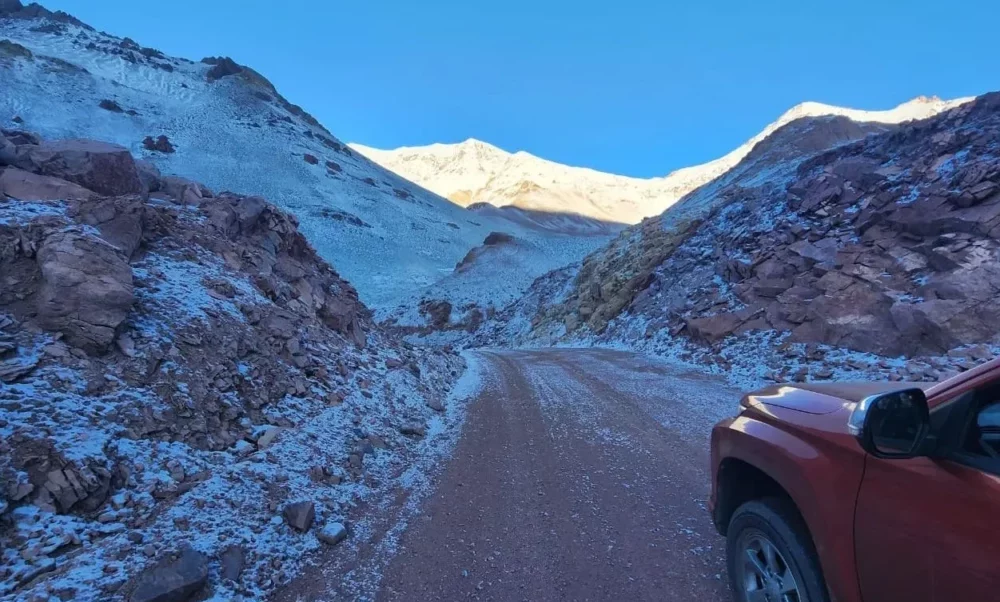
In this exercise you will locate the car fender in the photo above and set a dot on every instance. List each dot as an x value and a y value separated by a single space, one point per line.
820 471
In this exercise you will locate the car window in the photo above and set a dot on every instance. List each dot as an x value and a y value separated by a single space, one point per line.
969 426
986 431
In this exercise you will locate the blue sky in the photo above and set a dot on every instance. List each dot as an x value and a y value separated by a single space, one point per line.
632 87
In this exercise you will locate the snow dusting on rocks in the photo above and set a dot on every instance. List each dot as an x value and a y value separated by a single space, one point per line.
191 399
834 250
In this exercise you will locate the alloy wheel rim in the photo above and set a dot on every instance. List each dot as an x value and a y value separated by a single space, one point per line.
765 575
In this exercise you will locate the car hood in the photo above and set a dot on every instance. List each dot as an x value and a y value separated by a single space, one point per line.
824 398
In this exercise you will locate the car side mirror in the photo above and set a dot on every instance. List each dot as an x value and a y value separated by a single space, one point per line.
893 425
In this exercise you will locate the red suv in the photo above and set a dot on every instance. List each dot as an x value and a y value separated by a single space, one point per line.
843 492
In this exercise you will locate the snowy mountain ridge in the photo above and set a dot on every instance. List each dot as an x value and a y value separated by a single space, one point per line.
229 128
474 171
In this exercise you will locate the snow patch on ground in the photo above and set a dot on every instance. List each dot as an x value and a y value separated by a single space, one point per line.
414 484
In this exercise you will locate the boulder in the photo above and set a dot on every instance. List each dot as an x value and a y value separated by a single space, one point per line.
771 288
248 211
413 430
26 186
822 251
99 166
773 269
184 190
172 579
713 328
925 326
8 151
73 488
149 174
86 289
119 220
300 515
856 317
232 559
11 370
332 533
21 137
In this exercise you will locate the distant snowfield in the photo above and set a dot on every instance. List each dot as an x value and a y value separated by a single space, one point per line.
477 172
386 235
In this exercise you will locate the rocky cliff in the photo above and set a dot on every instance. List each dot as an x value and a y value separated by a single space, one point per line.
186 387
874 239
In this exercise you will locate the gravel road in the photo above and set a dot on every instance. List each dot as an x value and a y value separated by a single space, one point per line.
579 475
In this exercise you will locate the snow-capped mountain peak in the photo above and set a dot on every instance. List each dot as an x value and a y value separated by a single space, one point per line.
474 171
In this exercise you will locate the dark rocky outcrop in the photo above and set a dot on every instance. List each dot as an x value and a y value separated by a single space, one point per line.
110 105
14 9
160 144
438 312
497 238
222 66
492 240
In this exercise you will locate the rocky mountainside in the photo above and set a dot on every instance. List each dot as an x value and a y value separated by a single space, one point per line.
224 124
191 399
476 172
863 242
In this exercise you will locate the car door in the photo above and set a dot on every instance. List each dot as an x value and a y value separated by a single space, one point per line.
928 529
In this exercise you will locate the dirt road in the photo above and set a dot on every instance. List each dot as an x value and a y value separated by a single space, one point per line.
579 475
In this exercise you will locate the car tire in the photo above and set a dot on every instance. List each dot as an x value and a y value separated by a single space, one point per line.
776 521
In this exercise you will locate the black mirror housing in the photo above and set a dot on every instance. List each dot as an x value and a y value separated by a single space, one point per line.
894 425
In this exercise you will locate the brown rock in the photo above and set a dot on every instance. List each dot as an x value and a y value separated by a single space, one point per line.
823 373
149 174
86 290
438 312
161 144
822 251
119 220
300 515
713 328
8 151
771 288
413 430
110 105
332 533
14 369
232 559
172 579
98 166
26 186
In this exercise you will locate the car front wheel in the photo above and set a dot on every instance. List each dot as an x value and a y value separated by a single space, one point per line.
771 556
